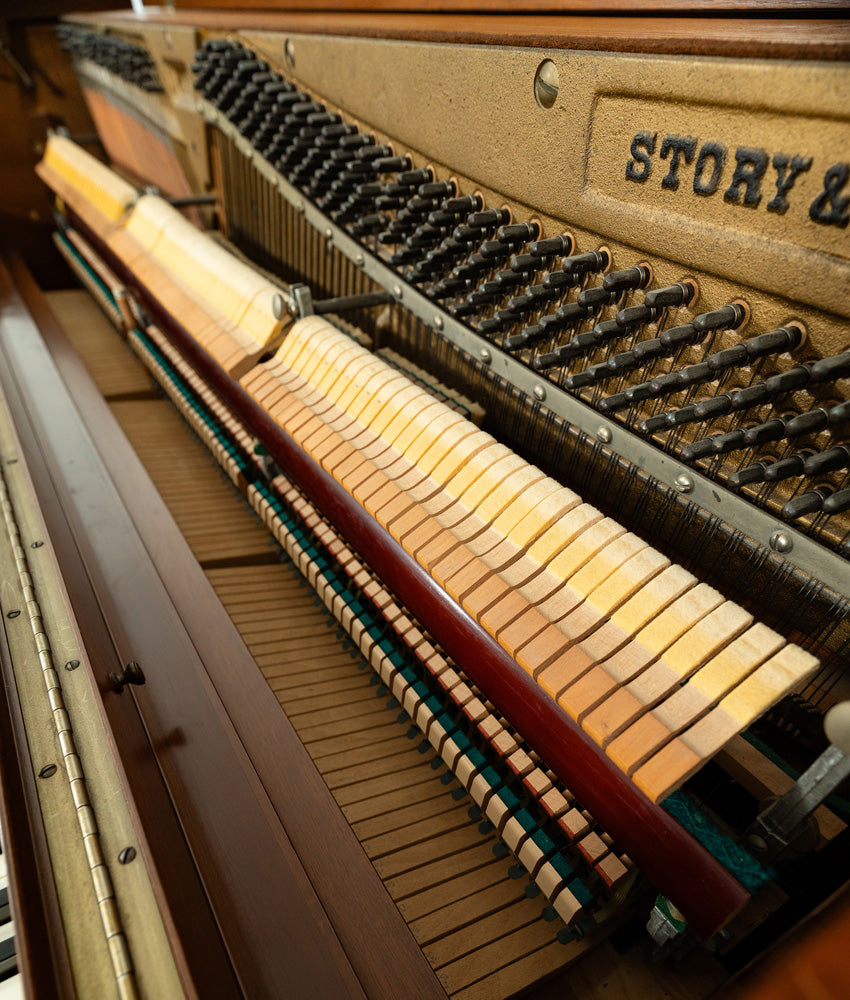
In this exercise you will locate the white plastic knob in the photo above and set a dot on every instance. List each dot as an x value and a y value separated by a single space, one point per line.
836 725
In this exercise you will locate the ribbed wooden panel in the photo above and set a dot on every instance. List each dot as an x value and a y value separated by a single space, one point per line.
107 357
213 519
483 936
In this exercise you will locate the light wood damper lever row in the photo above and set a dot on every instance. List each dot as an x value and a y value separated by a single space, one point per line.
225 304
659 670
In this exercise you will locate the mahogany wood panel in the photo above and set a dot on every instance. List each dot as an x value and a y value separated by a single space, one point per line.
669 856
201 954
347 887
538 6
768 37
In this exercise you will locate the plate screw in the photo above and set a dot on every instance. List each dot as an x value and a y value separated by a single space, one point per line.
126 855
72 664
603 434
539 393
546 84
397 292
781 542
485 355
47 771
438 322
329 233
36 545
12 614
360 260
684 483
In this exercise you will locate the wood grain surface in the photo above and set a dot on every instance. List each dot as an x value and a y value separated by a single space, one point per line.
768 37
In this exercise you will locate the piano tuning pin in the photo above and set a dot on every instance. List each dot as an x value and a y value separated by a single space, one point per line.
517 234
494 251
545 362
837 503
526 263
627 279
682 293
558 281
634 316
623 362
586 263
785 468
490 218
595 298
772 430
749 475
789 381
554 246
680 336
510 279
830 369
648 350
806 503
838 414
415 178
827 461
392 164
653 424
696 450
717 406
684 415
752 395
728 318
729 357
809 422
721 444
614 403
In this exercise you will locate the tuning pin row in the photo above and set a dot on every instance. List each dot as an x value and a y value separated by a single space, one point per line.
117 55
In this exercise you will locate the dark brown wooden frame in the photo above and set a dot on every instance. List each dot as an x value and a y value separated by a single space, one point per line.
260 876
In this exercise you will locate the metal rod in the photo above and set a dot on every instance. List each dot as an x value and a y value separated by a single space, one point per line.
343 302
188 200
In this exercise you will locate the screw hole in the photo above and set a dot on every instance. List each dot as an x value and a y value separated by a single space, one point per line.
546 84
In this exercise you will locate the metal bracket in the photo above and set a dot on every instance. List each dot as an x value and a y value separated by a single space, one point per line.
780 824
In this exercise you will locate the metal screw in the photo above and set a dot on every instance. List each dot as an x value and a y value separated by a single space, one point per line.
684 483
11 461
329 233
485 355
278 306
757 842
126 855
539 393
47 771
299 206
289 53
546 84
438 323
72 664
36 545
12 614
360 260
603 434
397 292
781 541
